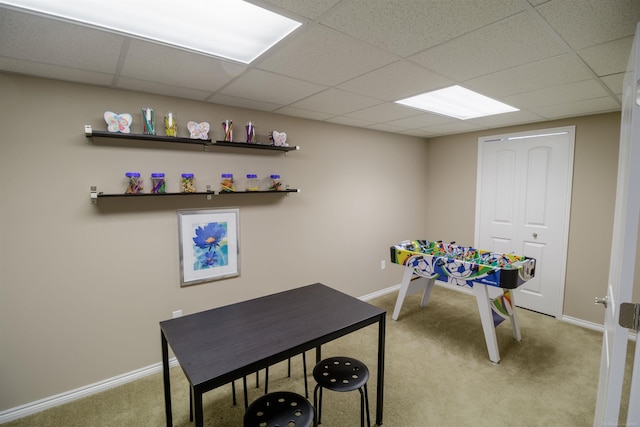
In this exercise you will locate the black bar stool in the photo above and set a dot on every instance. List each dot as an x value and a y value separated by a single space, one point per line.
341 374
279 409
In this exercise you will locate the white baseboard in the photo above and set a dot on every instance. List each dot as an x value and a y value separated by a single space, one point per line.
380 293
583 323
68 396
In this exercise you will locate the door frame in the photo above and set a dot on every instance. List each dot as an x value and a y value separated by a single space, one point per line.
570 130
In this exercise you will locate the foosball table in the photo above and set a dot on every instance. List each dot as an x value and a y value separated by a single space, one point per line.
467 267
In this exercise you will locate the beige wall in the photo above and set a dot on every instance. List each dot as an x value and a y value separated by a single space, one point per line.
83 287
452 168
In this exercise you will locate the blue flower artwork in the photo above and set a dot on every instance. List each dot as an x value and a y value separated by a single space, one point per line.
210 245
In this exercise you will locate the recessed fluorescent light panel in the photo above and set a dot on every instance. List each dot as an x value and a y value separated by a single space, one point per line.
458 102
230 29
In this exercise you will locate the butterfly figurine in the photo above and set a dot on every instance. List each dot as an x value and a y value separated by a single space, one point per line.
279 139
118 122
198 130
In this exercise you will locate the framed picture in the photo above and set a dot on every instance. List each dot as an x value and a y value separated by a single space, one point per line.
208 245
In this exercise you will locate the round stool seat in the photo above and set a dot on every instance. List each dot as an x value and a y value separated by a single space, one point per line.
279 409
341 374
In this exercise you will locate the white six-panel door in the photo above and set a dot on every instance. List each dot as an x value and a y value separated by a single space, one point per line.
522 205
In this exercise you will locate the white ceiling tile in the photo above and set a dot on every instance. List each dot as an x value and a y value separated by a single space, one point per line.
161 89
589 106
305 114
424 133
409 26
269 87
614 82
420 121
242 102
344 120
399 80
322 55
454 127
35 38
383 112
587 23
509 43
308 8
334 101
546 73
163 64
608 58
386 128
563 94
56 72
506 119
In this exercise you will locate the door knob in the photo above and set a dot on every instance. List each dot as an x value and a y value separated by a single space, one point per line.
535 235
604 301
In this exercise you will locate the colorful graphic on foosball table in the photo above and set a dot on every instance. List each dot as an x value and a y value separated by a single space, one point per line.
462 265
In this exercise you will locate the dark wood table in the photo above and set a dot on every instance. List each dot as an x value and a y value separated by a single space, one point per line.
217 346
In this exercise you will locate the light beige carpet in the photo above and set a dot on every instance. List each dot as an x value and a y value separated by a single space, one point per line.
437 373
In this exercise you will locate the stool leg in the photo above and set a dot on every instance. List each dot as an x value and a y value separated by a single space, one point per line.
257 379
304 369
266 380
233 392
366 400
317 403
361 407
190 403
244 386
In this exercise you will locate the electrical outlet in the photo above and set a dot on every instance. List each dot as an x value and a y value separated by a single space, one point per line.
382 265
177 313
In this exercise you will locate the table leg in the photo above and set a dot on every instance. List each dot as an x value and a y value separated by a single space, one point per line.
197 408
380 385
484 307
166 380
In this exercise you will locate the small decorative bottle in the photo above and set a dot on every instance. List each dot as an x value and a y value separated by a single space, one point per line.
188 183
170 124
227 130
157 182
252 182
227 185
276 183
134 183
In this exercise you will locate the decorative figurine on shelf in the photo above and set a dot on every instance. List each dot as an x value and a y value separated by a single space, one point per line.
198 130
118 122
279 139
227 130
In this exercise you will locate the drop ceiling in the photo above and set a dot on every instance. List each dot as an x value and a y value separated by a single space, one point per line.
351 59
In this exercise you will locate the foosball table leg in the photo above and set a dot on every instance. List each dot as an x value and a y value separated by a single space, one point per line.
514 317
402 294
484 307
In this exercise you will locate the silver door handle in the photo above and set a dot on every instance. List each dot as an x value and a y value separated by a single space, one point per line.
604 301
535 235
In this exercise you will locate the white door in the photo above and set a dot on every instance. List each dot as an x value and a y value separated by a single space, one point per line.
623 258
522 205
